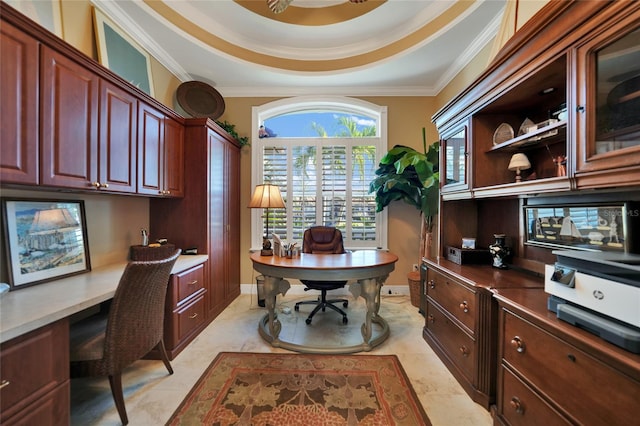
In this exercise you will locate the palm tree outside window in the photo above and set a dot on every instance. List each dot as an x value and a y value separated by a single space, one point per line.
322 153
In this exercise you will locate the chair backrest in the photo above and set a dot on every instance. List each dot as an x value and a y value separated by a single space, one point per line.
322 240
136 316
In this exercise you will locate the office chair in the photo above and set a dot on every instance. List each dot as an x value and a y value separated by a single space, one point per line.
323 240
103 345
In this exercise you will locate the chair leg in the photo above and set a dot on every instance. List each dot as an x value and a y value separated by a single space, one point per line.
116 390
163 354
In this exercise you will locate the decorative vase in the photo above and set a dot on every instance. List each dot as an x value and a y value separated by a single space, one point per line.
499 251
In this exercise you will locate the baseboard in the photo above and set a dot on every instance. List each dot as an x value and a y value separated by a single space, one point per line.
298 289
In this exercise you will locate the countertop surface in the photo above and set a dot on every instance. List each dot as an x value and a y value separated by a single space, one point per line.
27 309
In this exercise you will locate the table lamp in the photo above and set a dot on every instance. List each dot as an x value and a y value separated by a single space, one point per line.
266 196
519 162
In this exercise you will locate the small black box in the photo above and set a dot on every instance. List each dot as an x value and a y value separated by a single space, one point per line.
468 256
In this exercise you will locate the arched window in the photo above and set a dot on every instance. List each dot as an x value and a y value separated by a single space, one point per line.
322 152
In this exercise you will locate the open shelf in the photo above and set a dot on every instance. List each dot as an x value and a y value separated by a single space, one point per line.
554 132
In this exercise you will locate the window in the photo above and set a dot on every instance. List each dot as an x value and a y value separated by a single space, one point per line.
322 153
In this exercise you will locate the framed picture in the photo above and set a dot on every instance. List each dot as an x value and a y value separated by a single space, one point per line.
46 13
586 227
46 240
121 54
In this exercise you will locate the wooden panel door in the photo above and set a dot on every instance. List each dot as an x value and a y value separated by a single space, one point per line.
217 207
118 154
150 146
69 99
19 71
173 172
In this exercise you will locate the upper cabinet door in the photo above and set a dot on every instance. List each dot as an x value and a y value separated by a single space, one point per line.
173 158
19 106
608 121
454 162
150 146
69 99
118 124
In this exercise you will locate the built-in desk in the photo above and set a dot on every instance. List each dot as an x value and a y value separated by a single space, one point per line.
27 309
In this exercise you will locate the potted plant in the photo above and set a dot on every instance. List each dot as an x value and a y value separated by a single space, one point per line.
413 177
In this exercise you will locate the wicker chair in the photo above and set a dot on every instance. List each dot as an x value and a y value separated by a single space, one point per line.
103 345
323 240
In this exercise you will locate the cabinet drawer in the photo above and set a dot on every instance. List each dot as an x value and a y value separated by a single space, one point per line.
521 406
33 365
454 297
591 391
189 317
52 409
456 343
187 283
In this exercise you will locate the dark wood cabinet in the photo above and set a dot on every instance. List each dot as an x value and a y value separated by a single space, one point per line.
19 72
551 373
207 217
37 392
185 314
160 147
69 123
544 96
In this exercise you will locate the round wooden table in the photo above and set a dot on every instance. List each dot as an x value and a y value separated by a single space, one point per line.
370 268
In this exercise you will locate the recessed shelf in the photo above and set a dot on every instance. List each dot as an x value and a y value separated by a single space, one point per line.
552 133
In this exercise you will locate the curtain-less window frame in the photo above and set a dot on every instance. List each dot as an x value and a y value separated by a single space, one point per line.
302 103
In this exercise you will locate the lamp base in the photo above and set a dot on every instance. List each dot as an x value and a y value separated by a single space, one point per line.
266 252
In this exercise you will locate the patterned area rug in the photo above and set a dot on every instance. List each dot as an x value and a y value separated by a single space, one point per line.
300 389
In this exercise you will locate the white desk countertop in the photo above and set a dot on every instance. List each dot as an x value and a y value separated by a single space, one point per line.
27 309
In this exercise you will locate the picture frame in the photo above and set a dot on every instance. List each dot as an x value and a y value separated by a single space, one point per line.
45 240
121 54
46 13
594 227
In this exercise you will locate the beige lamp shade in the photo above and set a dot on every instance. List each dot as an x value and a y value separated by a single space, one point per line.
266 196
519 162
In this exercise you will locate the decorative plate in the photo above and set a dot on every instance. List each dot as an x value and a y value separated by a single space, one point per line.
503 133
199 100
524 126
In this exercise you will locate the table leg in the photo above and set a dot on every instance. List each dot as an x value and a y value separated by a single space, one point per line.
370 291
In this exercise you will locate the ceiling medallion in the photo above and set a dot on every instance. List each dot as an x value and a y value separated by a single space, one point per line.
278 6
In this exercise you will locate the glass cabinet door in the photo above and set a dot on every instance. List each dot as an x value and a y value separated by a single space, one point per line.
607 83
454 160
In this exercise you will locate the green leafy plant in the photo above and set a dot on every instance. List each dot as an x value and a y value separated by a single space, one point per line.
411 176
231 129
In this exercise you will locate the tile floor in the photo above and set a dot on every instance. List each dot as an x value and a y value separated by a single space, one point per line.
151 395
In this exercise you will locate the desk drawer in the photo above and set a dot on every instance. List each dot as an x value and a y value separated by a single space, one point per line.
455 298
590 390
521 406
32 366
189 317
457 344
187 283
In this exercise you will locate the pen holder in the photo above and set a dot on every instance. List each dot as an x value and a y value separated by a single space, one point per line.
289 253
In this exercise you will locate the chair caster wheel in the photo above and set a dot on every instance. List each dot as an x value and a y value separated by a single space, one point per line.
345 304
345 320
297 308
308 321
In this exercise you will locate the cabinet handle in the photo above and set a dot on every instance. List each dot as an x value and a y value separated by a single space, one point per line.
104 185
518 344
167 192
580 108
516 404
571 357
4 384
96 185
432 283
464 351
464 307
194 282
431 319
193 316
